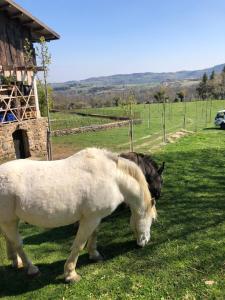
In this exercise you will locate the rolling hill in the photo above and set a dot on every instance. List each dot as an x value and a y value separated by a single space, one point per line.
137 78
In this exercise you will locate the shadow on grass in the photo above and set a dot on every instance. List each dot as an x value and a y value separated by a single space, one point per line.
15 282
190 213
212 128
54 235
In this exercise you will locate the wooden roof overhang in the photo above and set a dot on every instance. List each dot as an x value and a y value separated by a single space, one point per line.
36 27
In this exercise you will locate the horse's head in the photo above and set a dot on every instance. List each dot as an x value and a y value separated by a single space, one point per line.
155 180
141 224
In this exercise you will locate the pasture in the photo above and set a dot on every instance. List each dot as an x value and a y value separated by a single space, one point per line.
66 120
185 258
148 136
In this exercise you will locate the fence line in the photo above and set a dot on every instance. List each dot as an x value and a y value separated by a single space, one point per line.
158 120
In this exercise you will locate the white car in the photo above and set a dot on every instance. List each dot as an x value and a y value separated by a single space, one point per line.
220 119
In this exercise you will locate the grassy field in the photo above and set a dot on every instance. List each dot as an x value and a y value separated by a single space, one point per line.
185 259
147 136
69 120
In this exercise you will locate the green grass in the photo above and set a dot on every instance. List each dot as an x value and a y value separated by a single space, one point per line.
174 112
146 138
68 120
186 249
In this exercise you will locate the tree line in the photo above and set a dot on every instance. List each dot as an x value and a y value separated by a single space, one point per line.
212 86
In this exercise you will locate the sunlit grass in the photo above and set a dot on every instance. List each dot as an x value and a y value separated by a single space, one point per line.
186 249
69 120
149 133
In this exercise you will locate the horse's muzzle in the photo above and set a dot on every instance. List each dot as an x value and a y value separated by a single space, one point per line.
143 241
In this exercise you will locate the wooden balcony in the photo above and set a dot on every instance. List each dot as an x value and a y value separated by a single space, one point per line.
17 103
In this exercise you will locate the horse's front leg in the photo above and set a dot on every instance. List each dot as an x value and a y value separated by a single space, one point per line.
13 255
86 228
92 247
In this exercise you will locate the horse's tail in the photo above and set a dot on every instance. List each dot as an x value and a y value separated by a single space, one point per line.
130 168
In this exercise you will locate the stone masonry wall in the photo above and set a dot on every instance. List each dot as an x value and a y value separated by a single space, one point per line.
92 128
37 136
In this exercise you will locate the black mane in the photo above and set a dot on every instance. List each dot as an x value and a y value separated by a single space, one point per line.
148 160
149 168
145 162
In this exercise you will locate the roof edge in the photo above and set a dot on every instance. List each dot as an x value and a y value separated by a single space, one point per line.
55 35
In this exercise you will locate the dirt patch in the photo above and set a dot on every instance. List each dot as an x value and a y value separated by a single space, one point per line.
63 151
172 137
141 139
150 143
156 143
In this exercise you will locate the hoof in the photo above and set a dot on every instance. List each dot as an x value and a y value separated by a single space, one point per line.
17 264
34 275
72 278
33 272
96 258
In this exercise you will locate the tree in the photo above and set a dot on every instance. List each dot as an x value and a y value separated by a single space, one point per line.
217 86
203 88
223 77
45 59
128 103
116 101
29 55
204 78
42 99
160 96
212 76
181 95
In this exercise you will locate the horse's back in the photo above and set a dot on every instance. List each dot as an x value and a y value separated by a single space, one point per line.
56 193
27 188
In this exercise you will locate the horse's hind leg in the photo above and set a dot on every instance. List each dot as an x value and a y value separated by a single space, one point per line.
92 247
13 255
86 228
10 230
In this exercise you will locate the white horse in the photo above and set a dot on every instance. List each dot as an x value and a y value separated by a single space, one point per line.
85 187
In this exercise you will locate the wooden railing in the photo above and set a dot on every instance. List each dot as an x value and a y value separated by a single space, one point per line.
15 104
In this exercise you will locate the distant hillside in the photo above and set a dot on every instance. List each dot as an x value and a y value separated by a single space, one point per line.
137 78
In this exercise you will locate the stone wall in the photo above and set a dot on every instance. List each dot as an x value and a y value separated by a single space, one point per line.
36 131
92 128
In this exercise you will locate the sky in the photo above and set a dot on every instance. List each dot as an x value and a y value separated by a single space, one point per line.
106 37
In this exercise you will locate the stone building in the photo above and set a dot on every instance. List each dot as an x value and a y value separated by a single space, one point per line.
23 132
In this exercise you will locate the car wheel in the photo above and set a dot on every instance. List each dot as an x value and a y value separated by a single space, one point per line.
222 126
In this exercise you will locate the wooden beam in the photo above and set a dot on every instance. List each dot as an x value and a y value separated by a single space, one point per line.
40 69
27 22
39 29
5 6
16 16
21 68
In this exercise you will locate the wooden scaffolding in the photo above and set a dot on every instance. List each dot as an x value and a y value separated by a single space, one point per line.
18 99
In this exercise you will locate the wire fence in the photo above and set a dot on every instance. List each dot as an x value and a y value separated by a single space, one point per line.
145 137
158 123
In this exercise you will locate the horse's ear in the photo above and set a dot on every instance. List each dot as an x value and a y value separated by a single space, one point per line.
160 170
